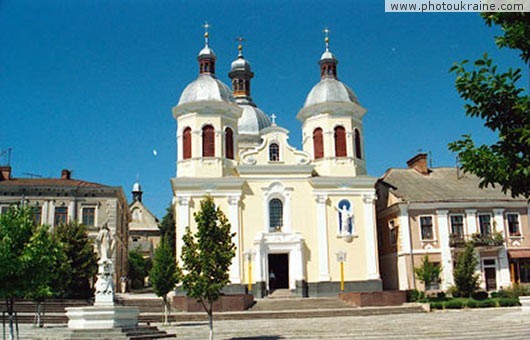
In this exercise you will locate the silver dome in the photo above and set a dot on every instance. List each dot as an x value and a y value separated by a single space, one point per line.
137 187
252 120
206 88
330 90
240 64
327 55
206 51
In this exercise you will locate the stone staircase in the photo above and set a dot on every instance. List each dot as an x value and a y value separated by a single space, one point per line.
52 310
131 333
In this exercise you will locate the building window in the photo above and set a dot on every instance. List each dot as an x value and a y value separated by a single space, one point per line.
435 285
318 143
427 232
274 152
275 214
358 153
208 141
457 226
186 143
89 216
3 209
37 215
484 222
61 215
229 143
513 224
393 232
340 142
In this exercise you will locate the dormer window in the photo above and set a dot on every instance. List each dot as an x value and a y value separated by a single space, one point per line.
274 152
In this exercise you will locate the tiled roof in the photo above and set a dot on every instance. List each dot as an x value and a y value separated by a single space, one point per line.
49 182
441 184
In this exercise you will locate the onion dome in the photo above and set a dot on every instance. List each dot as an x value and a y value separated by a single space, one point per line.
252 118
329 89
206 87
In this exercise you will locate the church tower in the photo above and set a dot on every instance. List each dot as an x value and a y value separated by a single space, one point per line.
253 119
332 123
207 117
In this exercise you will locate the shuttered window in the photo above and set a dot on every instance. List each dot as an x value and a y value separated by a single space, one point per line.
358 153
208 141
340 142
318 143
229 143
186 143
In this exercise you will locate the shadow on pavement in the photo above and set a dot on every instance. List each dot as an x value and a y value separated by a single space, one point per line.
271 337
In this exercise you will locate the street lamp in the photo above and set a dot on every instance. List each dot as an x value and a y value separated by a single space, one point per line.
341 257
249 256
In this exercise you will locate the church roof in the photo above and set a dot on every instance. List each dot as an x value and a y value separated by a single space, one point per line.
206 88
49 182
252 120
330 90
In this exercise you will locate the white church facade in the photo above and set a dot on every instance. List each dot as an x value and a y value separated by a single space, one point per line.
292 211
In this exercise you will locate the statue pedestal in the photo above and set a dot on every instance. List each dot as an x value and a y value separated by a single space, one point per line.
102 317
104 314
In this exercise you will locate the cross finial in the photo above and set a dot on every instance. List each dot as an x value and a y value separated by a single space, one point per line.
273 117
326 39
206 26
240 40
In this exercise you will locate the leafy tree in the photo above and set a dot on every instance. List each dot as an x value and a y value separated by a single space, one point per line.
207 256
167 229
164 275
494 97
138 268
26 255
428 272
81 261
466 280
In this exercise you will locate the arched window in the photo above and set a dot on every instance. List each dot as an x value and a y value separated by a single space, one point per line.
229 143
208 141
275 213
274 152
186 143
340 142
358 153
318 143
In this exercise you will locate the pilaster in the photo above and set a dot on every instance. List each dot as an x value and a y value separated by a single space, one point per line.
447 261
322 232
471 221
233 217
370 229
183 219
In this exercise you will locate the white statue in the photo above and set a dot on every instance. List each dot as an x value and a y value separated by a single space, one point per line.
105 243
346 219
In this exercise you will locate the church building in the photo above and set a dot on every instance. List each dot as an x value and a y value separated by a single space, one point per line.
296 214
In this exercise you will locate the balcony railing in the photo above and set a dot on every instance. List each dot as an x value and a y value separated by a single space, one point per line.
494 239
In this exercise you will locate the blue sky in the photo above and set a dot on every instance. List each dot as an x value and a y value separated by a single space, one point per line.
89 85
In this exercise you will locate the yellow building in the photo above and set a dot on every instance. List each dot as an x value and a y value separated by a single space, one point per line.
293 211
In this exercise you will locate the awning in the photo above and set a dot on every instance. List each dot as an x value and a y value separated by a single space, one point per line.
519 253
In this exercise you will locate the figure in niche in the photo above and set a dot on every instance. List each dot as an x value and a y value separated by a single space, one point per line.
346 218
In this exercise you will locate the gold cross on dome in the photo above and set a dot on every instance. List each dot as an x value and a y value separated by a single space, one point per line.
326 39
240 40
206 26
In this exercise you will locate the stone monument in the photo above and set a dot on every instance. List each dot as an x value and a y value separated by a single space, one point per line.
104 314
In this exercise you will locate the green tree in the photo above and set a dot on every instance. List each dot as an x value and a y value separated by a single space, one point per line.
26 255
206 256
164 275
428 273
466 280
81 261
138 268
494 97
167 229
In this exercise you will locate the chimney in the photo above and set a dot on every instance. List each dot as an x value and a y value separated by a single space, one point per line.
5 173
65 174
419 163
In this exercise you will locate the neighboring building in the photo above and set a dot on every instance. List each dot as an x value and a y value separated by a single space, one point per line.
59 200
434 211
293 211
144 234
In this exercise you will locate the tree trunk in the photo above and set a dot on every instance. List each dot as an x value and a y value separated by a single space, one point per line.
9 307
165 310
210 319
38 314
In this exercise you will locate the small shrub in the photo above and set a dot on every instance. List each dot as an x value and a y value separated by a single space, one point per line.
479 295
415 295
495 295
441 296
472 303
454 304
508 302
437 305
486 303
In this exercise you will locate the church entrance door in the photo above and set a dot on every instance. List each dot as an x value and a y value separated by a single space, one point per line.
278 271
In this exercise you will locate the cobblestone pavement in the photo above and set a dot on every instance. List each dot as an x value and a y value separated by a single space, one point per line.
478 324
499 323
